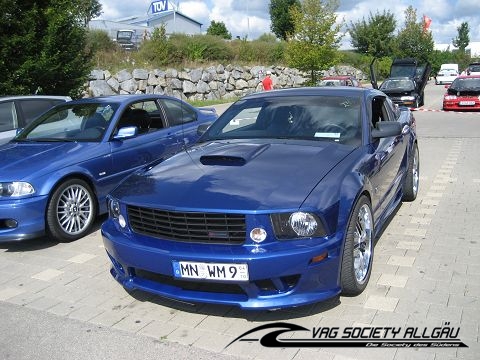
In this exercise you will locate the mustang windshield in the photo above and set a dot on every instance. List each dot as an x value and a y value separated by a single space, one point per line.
85 122
332 118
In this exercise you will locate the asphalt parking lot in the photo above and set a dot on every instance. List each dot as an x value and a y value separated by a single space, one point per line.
58 301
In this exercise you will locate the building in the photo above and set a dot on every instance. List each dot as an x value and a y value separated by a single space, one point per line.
473 48
161 12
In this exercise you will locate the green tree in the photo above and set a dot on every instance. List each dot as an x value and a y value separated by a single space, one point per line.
281 20
43 46
376 36
314 43
412 40
463 39
87 9
270 38
219 29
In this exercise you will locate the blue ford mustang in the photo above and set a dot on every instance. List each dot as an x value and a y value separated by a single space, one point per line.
55 174
277 205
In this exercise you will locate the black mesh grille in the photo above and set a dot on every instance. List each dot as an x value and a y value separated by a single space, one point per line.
195 227
209 287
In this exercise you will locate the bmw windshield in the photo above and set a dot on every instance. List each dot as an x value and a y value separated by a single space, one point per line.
70 122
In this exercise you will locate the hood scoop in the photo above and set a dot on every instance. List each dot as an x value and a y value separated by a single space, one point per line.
233 155
222 160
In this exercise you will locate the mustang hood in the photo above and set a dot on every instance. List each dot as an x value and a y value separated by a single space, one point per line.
235 175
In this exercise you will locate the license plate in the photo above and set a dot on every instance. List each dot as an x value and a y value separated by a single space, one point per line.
210 271
466 103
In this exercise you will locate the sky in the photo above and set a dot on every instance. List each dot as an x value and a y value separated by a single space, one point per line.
251 18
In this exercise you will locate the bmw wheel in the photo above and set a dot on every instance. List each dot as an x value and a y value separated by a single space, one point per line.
412 178
71 211
358 250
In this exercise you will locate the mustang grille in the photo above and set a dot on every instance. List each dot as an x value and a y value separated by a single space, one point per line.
194 227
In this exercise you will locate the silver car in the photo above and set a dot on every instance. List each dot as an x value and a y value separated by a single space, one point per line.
19 111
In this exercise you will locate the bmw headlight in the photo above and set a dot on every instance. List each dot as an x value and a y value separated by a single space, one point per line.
16 189
298 224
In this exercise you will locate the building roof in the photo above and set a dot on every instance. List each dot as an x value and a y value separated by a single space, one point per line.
145 19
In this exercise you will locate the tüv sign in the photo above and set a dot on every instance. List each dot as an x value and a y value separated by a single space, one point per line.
158 6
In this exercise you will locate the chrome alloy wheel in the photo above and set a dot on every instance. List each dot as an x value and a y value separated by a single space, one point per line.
74 209
362 244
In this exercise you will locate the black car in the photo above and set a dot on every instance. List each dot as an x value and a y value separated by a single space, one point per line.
473 68
406 83
402 91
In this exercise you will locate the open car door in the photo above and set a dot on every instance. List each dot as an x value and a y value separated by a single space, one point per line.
373 76
421 76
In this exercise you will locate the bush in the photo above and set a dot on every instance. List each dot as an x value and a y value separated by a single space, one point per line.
157 50
200 48
98 40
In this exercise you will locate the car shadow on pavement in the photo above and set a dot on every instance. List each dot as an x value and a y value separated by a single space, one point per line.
43 242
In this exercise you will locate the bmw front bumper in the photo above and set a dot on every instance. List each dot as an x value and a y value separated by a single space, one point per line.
22 219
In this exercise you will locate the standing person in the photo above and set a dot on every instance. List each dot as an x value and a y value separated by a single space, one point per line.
267 81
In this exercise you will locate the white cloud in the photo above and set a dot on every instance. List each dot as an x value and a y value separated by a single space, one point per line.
252 16
197 10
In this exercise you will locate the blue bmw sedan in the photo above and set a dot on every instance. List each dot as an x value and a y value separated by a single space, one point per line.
278 204
55 174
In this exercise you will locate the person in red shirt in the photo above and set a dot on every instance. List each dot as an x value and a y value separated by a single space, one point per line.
267 81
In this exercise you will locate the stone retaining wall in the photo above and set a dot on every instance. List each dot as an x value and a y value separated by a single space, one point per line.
210 83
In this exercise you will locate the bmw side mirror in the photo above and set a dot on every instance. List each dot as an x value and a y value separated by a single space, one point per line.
126 133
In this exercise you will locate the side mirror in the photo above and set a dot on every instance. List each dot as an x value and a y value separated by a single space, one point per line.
201 129
387 129
126 133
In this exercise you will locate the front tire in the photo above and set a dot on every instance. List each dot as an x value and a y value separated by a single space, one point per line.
71 211
358 250
412 179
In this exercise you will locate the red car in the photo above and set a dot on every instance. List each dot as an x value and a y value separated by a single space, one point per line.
340 80
463 94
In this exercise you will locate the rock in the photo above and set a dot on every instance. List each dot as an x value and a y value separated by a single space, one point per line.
123 75
100 88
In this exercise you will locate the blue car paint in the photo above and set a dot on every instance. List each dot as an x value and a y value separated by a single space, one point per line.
257 188
102 164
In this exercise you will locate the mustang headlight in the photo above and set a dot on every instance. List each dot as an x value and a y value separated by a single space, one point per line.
115 212
16 189
297 225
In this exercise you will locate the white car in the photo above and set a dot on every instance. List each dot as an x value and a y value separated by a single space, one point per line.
446 76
